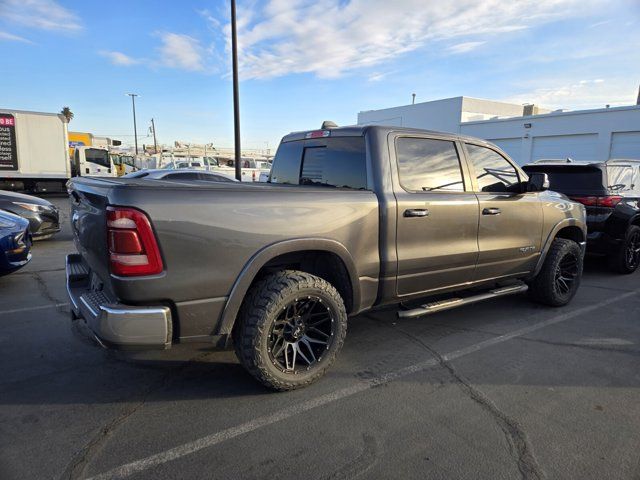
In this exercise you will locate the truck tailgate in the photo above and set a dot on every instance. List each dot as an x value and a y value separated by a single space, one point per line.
89 201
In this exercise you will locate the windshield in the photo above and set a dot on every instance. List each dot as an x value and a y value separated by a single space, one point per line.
97 156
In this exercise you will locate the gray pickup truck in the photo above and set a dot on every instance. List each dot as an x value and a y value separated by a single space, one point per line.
352 219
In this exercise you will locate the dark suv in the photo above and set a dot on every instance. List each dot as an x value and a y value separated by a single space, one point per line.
610 192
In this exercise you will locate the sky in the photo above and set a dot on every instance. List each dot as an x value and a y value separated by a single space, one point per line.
302 62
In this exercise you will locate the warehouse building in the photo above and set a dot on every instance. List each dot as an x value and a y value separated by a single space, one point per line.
526 132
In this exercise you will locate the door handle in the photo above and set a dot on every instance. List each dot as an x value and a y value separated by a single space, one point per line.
416 212
491 211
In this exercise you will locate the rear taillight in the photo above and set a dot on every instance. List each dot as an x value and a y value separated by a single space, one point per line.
607 202
133 249
610 202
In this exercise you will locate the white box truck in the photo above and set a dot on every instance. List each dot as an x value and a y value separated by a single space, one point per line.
33 151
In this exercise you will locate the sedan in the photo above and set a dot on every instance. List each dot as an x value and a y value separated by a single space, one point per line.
43 216
15 242
180 174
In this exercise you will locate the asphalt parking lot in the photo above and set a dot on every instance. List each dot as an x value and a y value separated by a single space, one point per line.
501 390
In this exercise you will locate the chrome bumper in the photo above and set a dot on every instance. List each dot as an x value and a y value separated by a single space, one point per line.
113 324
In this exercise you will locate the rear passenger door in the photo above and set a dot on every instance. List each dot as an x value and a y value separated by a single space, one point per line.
437 217
510 229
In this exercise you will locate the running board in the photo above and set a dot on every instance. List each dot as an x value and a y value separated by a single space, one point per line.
449 303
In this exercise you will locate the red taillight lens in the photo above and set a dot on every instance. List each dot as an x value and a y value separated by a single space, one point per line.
608 202
133 250
124 241
586 201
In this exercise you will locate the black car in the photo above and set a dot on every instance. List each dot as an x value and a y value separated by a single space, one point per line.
610 191
15 242
43 216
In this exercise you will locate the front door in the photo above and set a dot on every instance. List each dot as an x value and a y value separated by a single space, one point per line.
437 218
510 230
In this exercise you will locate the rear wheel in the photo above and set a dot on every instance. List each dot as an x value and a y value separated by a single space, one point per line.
559 279
292 326
627 258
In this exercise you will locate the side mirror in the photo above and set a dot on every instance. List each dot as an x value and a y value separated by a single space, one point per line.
538 182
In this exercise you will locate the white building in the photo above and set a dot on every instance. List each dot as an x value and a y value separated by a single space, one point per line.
528 132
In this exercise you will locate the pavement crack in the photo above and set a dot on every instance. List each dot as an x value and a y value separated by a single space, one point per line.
513 431
26 272
78 464
44 289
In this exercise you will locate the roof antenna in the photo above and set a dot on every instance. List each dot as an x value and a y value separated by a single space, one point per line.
327 124
569 159
638 100
413 101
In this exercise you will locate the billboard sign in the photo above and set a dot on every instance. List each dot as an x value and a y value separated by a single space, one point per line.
8 147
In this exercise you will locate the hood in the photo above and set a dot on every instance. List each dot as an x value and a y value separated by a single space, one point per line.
8 196
10 217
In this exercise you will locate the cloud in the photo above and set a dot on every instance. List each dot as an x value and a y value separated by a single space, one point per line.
119 58
42 14
332 37
181 51
464 47
590 93
13 38
378 76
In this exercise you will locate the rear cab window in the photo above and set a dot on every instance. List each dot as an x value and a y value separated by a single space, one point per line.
336 162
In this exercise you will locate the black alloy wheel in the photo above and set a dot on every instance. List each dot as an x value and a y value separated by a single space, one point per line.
632 250
301 334
566 273
559 278
291 326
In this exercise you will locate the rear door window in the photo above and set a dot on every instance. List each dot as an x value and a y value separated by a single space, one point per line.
427 165
493 172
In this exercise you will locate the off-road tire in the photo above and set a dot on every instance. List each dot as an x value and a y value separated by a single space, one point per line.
260 309
618 260
544 287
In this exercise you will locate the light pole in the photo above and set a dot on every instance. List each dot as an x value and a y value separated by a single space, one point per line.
135 128
236 98
155 142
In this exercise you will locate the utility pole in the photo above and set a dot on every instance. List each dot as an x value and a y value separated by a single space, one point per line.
236 98
135 128
155 143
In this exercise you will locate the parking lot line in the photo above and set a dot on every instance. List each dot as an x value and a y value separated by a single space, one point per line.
207 441
31 309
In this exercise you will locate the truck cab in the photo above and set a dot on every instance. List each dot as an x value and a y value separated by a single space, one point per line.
93 162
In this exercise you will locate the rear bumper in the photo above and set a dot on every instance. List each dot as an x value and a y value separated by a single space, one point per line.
115 325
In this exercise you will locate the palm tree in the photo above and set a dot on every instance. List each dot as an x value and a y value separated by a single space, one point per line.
68 114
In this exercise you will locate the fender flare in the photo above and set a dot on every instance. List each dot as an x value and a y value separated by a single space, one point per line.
268 253
566 222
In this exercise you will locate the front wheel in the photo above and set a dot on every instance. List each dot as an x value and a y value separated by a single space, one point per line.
627 258
559 279
291 327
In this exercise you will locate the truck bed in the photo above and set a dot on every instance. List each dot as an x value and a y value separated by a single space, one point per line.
208 233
